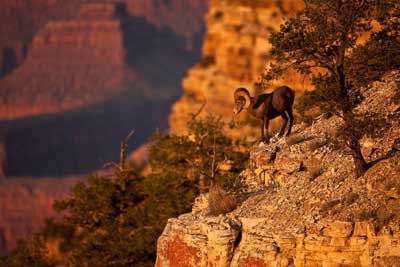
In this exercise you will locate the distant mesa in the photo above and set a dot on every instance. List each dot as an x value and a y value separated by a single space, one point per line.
70 63
81 57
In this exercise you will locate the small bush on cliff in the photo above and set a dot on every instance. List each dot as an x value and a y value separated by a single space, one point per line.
120 217
219 201
322 40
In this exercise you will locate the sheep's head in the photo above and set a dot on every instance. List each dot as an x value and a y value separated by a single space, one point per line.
242 100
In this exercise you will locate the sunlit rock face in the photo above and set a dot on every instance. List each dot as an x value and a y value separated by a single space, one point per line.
300 203
235 53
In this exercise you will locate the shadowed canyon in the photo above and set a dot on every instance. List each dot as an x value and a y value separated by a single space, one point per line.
75 78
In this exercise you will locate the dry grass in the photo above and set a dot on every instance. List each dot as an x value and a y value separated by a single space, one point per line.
219 201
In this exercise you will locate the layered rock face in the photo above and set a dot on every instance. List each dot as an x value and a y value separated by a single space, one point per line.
80 52
66 60
22 19
304 206
90 61
235 53
213 242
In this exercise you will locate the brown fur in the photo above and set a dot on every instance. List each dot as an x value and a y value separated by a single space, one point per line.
267 107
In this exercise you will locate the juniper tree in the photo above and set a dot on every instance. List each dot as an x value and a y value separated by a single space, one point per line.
319 41
120 217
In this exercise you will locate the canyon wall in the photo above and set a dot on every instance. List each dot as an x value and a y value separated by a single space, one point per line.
69 64
301 204
88 60
235 53
22 19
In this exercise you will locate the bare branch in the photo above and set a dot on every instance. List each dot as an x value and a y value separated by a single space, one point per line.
122 150
213 159
194 115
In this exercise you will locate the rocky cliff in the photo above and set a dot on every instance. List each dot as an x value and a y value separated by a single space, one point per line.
303 205
235 53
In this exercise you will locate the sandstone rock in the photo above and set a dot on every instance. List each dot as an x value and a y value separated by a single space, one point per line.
338 229
262 155
387 261
201 204
235 53
360 229
289 162
211 245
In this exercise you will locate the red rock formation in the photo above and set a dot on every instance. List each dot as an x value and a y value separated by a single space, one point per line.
22 19
70 63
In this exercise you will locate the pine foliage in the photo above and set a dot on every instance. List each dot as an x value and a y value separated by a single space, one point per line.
118 219
323 40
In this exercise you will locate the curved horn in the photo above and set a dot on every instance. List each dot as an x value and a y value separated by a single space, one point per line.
242 92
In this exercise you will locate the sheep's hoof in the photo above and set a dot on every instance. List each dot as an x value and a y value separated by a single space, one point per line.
264 140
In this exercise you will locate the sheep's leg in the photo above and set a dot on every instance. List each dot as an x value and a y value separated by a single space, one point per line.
285 117
289 111
262 129
266 138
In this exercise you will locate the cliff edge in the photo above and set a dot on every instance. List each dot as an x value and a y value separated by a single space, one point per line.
303 206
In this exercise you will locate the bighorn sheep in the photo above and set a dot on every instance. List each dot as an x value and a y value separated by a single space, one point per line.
267 107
